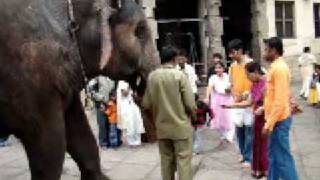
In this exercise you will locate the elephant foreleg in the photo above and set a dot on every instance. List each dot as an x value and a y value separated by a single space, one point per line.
45 147
81 143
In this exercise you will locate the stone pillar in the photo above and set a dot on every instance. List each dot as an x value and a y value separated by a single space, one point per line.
259 27
214 28
148 6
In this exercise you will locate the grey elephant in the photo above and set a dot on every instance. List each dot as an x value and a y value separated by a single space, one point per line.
47 50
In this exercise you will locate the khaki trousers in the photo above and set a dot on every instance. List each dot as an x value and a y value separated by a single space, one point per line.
176 155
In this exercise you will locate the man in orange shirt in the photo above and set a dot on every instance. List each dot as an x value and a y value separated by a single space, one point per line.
241 85
278 114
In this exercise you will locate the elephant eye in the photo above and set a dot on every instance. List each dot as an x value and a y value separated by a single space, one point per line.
140 31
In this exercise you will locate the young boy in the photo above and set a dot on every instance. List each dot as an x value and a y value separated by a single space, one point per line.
111 112
314 87
199 123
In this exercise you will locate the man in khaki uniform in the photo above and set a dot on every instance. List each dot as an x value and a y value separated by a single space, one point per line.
170 100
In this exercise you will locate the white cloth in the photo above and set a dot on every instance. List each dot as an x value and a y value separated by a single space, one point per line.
228 135
134 140
220 84
243 116
318 90
306 61
305 89
129 115
104 84
192 76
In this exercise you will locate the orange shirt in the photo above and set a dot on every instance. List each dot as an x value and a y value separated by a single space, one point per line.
111 112
239 79
277 99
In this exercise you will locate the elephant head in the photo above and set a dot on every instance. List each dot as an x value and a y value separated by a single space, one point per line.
116 42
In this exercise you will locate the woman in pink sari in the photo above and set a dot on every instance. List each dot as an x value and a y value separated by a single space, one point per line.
218 92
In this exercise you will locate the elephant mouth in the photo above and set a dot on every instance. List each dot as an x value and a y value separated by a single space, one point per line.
138 84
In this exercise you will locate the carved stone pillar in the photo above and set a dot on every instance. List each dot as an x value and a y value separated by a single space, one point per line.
259 27
149 6
214 28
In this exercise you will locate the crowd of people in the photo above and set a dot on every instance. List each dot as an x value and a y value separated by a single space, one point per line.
119 118
246 101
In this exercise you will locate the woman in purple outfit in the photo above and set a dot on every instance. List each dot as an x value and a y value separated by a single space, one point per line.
260 161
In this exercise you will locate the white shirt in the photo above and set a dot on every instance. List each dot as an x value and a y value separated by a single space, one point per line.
306 62
307 59
192 76
220 84
105 86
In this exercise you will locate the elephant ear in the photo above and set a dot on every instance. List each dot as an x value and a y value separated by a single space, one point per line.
106 41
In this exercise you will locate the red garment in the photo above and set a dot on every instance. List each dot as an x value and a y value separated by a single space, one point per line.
260 160
202 111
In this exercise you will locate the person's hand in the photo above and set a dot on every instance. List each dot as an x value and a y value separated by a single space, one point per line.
295 108
266 131
237 99
259 111
228 91
206 100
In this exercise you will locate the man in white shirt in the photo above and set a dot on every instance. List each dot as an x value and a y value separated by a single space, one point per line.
188 70
306 64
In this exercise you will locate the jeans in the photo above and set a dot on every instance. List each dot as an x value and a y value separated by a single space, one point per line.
102 124
282 165
244 135
197 140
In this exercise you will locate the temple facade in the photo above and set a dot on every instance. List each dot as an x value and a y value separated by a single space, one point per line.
204 27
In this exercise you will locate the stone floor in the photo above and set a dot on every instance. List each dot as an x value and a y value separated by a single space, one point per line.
217 162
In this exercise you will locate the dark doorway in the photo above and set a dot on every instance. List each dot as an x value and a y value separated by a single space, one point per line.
170 9
178 25
237 21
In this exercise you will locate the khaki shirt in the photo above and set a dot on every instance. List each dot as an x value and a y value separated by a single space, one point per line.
170 99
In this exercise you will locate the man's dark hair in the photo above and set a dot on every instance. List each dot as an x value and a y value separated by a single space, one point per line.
217 55
168 53
235 44
253 67
275 43
306 49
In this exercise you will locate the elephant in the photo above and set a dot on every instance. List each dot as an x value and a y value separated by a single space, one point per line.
48 49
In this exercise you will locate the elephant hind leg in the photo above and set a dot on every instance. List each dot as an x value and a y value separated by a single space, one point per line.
81 143
45 149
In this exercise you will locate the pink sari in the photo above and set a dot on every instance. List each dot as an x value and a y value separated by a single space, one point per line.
221 120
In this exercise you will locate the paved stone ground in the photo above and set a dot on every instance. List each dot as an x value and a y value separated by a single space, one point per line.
217 162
